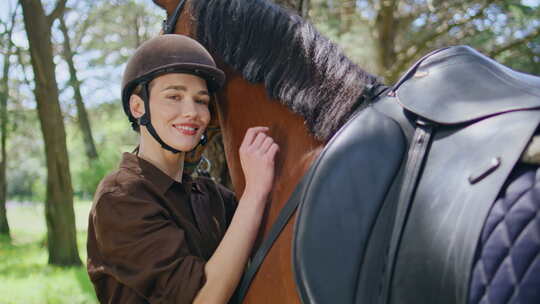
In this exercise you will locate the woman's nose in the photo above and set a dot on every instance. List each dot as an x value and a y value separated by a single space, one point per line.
189 108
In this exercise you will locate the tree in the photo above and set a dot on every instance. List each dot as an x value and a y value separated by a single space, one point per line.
118 28
400 32
4 96
82 115
59 213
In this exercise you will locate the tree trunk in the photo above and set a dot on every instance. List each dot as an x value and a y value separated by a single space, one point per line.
82 116
4 95
385 31
4 226
59 214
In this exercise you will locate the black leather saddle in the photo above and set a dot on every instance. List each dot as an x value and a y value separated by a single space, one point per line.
393 209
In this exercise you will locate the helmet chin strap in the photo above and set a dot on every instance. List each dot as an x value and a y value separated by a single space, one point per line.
144 120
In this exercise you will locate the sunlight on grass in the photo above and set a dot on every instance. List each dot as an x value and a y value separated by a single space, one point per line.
25 275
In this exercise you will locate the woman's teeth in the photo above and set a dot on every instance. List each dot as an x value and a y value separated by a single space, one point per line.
187 128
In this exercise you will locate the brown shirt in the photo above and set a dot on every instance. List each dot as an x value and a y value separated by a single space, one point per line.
149 236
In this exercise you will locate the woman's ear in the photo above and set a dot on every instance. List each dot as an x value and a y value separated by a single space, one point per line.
136 106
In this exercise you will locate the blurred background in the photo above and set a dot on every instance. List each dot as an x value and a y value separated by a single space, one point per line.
62 127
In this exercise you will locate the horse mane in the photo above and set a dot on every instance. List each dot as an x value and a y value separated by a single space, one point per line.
298 66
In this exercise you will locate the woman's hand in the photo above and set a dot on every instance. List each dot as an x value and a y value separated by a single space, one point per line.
257 153
224 269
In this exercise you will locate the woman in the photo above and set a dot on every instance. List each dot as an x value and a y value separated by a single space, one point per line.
155 235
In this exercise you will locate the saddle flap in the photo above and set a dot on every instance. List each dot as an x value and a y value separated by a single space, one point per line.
340 198
458 85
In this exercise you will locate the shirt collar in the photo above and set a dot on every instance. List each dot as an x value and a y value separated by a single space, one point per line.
153 174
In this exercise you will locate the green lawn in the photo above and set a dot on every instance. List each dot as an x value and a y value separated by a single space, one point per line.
25 276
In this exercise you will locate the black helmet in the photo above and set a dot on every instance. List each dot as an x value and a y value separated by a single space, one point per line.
164 54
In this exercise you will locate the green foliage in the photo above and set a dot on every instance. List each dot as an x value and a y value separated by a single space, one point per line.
24 273
393 37
112 134
26 173
87 178
119 27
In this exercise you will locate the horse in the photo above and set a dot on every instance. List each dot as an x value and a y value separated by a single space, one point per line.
243 103
283 74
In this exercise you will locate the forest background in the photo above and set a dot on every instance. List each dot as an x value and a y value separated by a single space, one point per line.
63 130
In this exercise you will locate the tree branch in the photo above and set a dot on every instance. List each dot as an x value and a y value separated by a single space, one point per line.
10 27
19 52
512 44
81 32
57 11
412 51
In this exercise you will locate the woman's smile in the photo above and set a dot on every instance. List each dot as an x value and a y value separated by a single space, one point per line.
187 128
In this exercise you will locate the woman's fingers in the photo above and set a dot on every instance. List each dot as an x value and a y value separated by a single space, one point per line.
274 148
267 144
251 134
257 154
257 143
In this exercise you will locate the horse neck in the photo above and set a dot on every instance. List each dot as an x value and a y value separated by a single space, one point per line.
242 105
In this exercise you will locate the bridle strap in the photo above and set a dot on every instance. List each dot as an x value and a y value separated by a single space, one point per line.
169 24
285 214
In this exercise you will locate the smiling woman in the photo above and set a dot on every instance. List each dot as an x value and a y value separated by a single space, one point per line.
155 235
180 112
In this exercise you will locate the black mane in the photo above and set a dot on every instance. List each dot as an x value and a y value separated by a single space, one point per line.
298 66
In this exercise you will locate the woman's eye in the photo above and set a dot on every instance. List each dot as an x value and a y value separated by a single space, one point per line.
175 97
203 101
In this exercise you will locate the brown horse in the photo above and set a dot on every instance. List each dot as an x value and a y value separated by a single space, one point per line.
283 74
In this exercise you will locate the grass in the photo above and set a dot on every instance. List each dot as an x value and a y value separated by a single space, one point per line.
25 276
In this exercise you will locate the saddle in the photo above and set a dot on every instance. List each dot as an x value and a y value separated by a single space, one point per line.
393 209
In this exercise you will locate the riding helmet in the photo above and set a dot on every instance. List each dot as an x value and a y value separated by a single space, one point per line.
171 53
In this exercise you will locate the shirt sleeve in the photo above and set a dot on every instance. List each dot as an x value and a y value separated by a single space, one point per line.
230 201
145 250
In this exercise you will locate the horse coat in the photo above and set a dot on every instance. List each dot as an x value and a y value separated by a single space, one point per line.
407 201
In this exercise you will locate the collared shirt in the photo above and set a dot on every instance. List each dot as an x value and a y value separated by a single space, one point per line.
149 236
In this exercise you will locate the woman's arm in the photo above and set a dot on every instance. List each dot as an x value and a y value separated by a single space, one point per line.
225 267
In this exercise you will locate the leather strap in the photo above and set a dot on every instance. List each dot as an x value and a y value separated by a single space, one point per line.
169 24
413 168
283 218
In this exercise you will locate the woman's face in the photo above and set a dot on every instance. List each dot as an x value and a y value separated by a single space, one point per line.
179 109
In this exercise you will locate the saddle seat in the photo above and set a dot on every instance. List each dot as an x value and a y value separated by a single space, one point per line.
393 209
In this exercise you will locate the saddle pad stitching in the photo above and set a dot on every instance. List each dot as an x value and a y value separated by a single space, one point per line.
484 293
525 226
489 281
511 242
532 260
508 257
503 218
488 234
